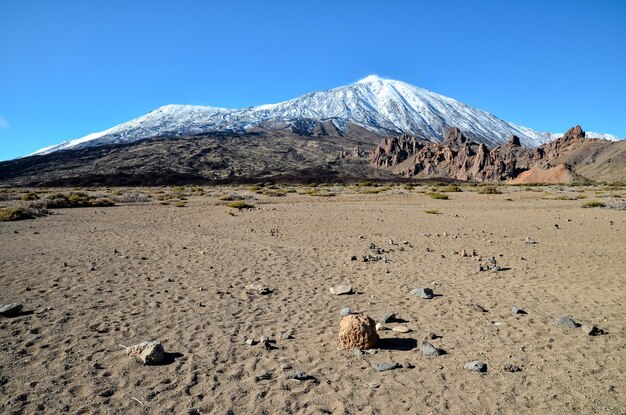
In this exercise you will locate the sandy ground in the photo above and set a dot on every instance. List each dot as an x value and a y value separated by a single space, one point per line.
179 275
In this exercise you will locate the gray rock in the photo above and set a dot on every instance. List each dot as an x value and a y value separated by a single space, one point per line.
357 352
426 293
432 336
345 311
388 318
300 376
371 245
10 310
286 336
373 385
529 241
250 342
263 376
148 353
384 366
341 289
429 350
516 310
476 366
567 322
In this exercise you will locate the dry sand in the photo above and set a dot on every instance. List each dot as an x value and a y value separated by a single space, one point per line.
179 275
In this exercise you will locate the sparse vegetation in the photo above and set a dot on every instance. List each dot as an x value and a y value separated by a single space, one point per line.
73 200
594 204
128 197
488 190
441 196
449 189
19 213
616 204
181 203
432 211
240 204
29 196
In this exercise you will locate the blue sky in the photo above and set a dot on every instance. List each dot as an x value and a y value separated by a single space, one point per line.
69 68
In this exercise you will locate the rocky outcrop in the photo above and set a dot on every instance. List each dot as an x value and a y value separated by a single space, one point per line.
457 157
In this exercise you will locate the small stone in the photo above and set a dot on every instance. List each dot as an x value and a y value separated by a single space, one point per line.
516 310
11 310
529 241
401 329
384 366
407 365
478 308
341 289
263 376
264 339
345 311
96 366
380 327
373 385
300 376
148 353
371 245
401 248
286 336
388 318
429 350
476 366
250 342
425 293
567 322
432 336
390 242
353 258
357 353
286 366
511 368
591 330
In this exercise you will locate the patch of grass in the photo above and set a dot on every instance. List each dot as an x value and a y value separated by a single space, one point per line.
432 211
240 204
564 197
21 213
274 193
73 200
449 189
181 203
594 204
488 190
441 196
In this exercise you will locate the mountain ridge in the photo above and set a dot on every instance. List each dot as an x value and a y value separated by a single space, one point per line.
386 107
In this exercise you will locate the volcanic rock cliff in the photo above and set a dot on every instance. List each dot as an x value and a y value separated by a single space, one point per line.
457 157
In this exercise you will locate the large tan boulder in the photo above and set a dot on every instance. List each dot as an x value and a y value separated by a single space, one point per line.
148 353
357 331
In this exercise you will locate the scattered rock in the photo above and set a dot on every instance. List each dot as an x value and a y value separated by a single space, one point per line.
511 368
401 329
530 241
341 289
567 322
426 293
591 330
489 265
476 366
148 353
299 376
10 310
259 289
345 311
384 366
371 258
388 318
429 350
516 310
478 308
357 331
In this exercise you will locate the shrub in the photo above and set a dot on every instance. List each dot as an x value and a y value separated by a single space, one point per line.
450 189
488 190
180 203
274 193
240 204
616 204
594 204
73 200
436 195
135 197
21 213
29 196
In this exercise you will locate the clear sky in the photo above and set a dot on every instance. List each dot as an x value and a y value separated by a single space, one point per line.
69 68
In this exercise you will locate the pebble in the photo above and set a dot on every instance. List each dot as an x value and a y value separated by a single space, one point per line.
353 258
371 245
384 366
529 241
250 342
286 336
401 329
263 376
567 322
380 327
298 375
511 368
96 366
345 311
373 385
10 310
432 336
425 293
476 366
516 310
591 330
341 289
478 308
429 350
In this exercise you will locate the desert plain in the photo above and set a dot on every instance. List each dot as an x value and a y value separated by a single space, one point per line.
179 266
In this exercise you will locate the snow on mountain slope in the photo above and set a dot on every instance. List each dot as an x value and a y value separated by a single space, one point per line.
380 105
588 134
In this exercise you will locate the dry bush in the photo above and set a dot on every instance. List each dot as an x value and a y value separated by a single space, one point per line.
132 197
616 204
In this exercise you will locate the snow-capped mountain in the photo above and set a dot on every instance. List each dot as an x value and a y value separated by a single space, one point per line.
588 134
379 105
